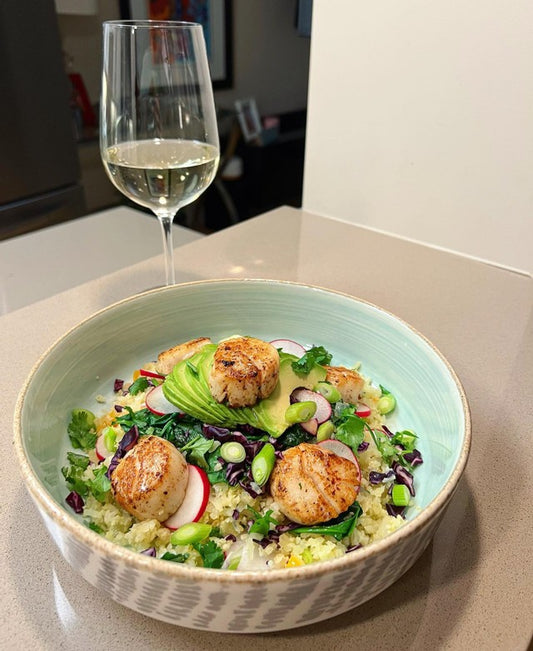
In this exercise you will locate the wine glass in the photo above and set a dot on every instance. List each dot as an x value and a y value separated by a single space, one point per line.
158 128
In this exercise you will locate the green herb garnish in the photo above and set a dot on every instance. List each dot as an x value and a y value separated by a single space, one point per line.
81 429
140 384
175 558
212 555
339 528
261 523
350 429
316 355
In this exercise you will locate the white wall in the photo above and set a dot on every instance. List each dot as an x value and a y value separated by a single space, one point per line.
420 122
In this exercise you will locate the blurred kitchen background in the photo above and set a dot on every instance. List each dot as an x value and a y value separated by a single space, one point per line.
412 118
50 159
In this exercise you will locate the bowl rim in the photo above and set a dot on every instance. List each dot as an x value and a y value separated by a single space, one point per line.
140 562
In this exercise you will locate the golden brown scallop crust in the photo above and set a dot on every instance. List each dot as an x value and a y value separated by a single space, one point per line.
151 480
244 371
169 358
348 382
312 484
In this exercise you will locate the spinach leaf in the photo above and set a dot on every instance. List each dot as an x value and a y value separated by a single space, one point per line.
294 436
175 558
196 449
339 528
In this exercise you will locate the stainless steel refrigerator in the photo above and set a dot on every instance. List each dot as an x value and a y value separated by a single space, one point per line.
39 167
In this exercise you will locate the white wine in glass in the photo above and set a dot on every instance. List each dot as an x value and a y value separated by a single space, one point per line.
158 128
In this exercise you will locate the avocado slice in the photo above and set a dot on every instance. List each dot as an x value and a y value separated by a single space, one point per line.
189 390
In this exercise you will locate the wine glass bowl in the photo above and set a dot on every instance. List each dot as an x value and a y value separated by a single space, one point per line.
158 128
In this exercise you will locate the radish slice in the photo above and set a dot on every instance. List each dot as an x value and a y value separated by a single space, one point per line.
323 407
146 373
195 501
310 426
363 411
340 449
100 448
290 347
158 404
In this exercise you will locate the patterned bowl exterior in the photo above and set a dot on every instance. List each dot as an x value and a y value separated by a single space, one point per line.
214 600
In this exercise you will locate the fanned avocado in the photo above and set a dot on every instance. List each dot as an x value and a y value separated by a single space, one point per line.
187 387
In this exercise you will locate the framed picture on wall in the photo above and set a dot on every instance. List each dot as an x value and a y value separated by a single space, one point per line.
216 17
249 119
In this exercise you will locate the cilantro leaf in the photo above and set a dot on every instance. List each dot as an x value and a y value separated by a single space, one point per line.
316 355
78 460
81 429
140 384
212 555
100 485
261 523
384 445
349 428
73 478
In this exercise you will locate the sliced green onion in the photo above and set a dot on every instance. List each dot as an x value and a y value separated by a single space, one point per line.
400 495
330 393
263 464
110 439
307 556
234 563
300 412
386 403
190 533
325 431
232 452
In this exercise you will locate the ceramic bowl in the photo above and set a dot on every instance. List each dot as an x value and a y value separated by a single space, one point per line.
114 341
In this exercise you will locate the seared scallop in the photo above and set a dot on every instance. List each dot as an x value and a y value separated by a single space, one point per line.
169 358
348 382
244 371
151 480
312 484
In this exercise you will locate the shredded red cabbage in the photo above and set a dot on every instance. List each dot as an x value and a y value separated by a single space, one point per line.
149 552
363 446
380 477
403 476
395 510
118 384
75 501
127 442
413 458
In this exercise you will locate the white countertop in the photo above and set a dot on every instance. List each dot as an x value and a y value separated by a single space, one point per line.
42 263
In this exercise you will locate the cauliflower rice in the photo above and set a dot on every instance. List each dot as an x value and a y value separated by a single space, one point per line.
229 507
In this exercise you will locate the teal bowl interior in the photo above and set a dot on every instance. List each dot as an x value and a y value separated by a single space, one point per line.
119 339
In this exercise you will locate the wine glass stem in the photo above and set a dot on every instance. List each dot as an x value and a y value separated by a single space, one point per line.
166 226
